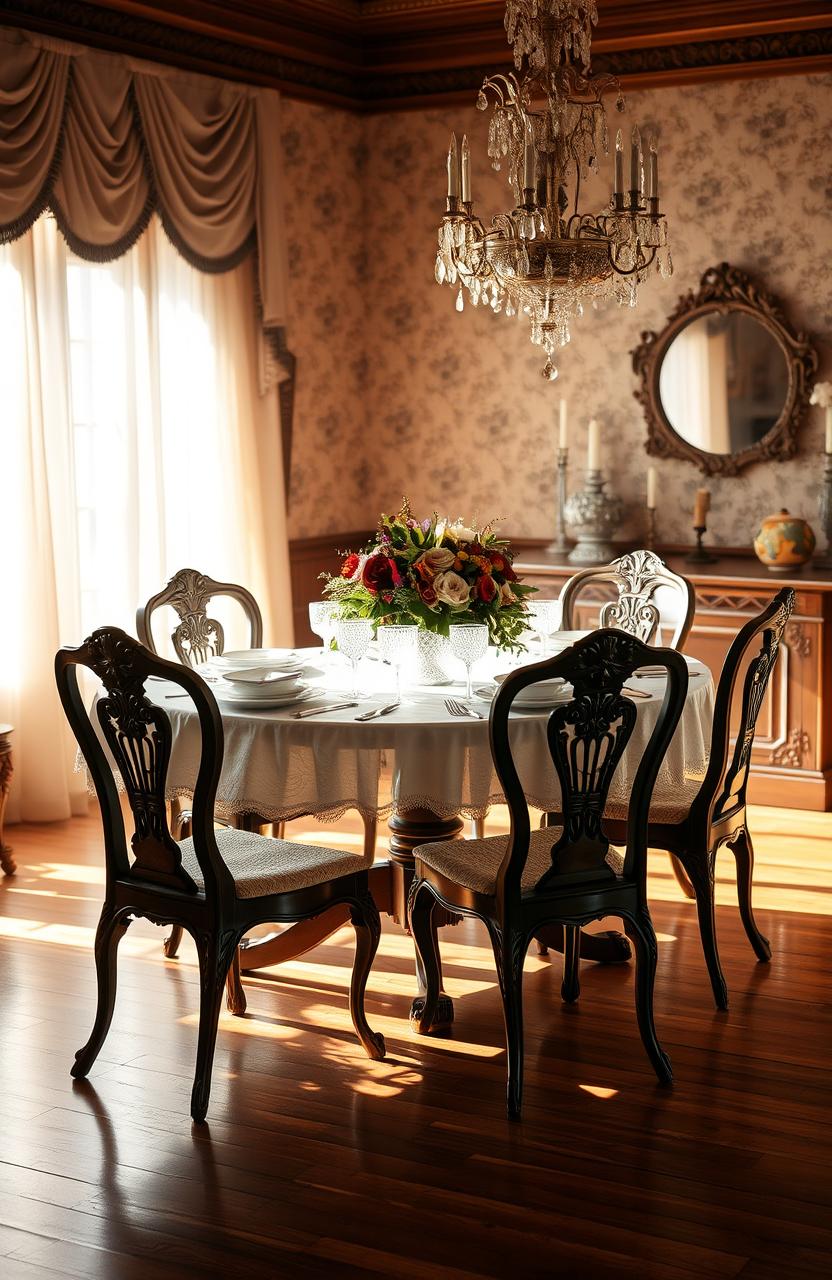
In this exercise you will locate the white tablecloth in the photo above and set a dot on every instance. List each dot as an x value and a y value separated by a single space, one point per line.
280 767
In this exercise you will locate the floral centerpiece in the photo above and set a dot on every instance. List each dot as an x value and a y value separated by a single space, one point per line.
434 572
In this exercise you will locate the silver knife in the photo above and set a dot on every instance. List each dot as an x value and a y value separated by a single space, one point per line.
317 711
379 711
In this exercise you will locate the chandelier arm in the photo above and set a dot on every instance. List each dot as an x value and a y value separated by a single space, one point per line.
635 270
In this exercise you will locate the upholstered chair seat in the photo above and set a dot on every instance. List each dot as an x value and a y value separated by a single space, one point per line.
260 865
474 864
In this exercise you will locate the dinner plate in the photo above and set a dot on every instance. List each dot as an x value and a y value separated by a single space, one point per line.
261 693
272 703
239 658
262 677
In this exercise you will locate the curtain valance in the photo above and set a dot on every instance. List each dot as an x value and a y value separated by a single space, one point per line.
104 141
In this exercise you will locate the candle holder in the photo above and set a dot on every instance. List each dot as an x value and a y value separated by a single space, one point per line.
700 554
824 561
651 528
593 515
561 544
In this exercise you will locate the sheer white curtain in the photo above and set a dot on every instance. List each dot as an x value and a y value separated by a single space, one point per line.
134 441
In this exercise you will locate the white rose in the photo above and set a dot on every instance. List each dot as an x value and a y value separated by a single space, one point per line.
822 395
507 596
437 559
450 588
461 533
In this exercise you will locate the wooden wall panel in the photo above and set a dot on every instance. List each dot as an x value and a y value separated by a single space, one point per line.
385 54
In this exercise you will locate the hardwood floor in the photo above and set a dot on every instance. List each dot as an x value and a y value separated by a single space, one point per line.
318 1162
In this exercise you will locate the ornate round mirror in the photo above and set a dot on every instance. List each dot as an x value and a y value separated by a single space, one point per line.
727 381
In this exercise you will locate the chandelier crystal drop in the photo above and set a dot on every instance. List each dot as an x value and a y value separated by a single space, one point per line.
545 259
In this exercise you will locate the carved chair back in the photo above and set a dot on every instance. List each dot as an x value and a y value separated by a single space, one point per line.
137 733
649 594
586 738
723 791
196 637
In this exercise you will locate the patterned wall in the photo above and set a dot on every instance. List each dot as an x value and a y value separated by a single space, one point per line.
399 393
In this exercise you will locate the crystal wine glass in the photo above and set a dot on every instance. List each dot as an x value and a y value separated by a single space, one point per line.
322 615
469 643
397 643
544 619
353 636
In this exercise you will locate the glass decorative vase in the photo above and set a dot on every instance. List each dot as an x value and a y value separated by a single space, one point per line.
434 663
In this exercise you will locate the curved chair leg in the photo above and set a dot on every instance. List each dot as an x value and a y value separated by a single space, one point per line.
111 929
643 937
743 851
682 878
510 972
570 988
705 907
214 964
367 925
370 825
235 996
170 946
421 907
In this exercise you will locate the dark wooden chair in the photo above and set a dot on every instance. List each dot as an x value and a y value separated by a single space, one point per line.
215 884
713 813
197 638
517 884
649 594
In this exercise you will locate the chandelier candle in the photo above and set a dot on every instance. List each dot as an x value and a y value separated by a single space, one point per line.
546 257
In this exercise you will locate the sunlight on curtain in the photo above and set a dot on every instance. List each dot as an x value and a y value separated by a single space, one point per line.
137 443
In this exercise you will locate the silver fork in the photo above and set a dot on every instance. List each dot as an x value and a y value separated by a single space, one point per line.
459 709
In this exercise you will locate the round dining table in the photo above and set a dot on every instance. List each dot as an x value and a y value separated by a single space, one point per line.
278 766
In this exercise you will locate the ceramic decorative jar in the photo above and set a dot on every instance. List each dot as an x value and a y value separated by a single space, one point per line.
784 542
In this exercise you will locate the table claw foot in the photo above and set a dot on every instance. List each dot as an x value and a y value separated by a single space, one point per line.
606 947
442 1019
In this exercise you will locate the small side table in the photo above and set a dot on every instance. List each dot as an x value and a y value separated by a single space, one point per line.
7 862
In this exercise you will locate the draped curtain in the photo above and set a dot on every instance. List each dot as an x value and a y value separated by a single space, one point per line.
186 464
104 141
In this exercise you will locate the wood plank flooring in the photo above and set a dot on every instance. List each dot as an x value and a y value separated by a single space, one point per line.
317 1162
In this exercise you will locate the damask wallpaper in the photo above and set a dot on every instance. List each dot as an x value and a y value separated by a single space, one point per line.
397 392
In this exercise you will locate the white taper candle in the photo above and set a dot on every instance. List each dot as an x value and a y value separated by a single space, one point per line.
593 453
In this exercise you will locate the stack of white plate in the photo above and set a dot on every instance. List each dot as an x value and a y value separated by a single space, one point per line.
238 659
546 693
263 686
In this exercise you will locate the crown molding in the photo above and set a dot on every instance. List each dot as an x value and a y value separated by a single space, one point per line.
373 55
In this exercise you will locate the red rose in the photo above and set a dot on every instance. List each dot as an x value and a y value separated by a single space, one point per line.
428 594
500 564
379 574
350 565
486 588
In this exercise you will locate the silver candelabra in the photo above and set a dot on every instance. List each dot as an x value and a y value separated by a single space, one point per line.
561 543
592 515
824 560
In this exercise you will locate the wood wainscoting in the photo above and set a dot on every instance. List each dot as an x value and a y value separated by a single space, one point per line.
792 754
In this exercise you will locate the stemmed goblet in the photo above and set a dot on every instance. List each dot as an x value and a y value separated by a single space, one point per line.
469 643
544 620
397 643
353 636
322 616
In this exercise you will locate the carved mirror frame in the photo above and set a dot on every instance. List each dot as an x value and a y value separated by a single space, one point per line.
725 289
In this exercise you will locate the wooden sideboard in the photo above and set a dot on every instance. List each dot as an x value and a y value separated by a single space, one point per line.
792 755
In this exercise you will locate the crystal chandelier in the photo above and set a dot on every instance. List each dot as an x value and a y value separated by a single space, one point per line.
549 126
